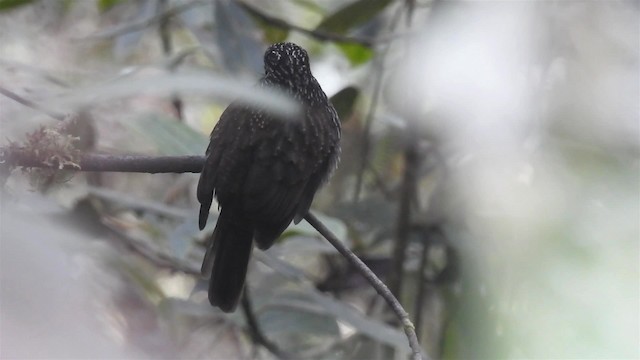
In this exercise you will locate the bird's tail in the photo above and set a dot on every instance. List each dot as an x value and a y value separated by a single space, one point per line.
225 262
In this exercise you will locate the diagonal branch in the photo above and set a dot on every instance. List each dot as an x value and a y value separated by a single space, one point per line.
28 103
377 284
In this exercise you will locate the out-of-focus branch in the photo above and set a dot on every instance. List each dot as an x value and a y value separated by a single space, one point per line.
152 254
167 49
377 284
407 194
255 330
373 107
11 64
30 104
144 23
108 163
316 34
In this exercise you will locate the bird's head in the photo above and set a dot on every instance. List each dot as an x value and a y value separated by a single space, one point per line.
287 64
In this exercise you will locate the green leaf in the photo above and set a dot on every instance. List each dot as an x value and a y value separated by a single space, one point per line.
352 15
104 5
274 34
356 53
293 322
6 5
344 102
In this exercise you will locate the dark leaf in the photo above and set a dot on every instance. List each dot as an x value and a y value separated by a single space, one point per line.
274 34
6 5
352 15
235 31
344 102
125 44
170 137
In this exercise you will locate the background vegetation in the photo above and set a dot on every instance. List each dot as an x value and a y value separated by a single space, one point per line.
489 175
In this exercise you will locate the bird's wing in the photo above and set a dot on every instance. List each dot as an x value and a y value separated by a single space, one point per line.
225 156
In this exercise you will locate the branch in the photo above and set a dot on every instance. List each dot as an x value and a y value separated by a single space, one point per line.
34 71
316 34
108 163
167 49
407 194
380 287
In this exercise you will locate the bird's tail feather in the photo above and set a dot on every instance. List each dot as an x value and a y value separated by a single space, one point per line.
226 261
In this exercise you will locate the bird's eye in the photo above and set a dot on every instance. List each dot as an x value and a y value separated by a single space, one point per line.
272 57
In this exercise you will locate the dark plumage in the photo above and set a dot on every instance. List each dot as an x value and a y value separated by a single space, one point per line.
264 171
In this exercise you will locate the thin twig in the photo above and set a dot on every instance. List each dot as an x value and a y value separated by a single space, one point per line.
407 194
167 49
380 287
30 104
382 186
316 34
418 310
254 328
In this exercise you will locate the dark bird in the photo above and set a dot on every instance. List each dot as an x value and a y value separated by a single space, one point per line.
264 170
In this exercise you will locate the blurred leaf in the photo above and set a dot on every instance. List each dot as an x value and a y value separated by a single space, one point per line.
310 5
352 15
136 203
344 101
317 303
179 238
126 43
373 213
170 137
356 53
199 311
67 5
274 34
235 32
297 329
141 277
6 5
177 58
168 84
303 228
305 245
104 5
312 300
